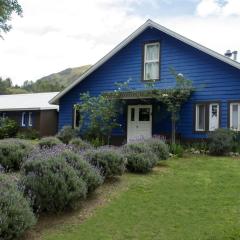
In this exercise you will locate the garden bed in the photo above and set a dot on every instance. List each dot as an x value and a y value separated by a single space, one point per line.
187 198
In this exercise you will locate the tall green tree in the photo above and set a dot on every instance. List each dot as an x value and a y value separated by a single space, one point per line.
7 8
99 116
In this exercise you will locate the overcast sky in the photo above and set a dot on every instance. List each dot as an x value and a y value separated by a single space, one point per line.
57 34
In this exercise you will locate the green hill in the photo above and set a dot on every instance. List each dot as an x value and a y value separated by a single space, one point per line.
56 81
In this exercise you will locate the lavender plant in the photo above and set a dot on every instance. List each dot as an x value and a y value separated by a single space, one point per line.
108 159
13 152
16 215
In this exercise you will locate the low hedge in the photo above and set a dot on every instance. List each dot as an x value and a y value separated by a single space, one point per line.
90 174
140 157
52 184
158 147
13 152
66 134
49 142
16 216
221 141
110 161
80 144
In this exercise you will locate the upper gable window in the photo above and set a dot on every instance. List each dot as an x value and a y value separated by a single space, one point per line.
151 61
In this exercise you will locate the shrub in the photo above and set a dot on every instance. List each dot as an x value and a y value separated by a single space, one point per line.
8 128
141 162
220 141
110 161
176 149
66 134
140 157
90 174
16 215
49 142
52 184
28 133
13 152
159 147
79 144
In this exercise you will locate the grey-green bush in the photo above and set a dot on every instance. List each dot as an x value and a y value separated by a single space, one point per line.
28 133
141 162
110 161
140 157
221 141
90 174
8 128
66 134
16 216
13 152
49 142
80 144
176 149
52 184
159 147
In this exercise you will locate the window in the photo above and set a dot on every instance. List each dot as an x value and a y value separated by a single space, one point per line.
3 115
132 114
24 120
151 61
144 114
76 118
200 117
206 116
30 119
234 116
213 116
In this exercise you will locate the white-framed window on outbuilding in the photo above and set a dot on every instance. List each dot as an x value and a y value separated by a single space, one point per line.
24 119
30 122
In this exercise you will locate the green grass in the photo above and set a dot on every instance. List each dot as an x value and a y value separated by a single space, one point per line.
193 198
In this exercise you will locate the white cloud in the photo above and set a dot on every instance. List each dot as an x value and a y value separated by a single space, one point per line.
54 35
218 8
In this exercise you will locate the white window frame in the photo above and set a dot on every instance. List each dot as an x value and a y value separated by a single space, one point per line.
197 117
210 113
231 113
30 123
151 61
23 117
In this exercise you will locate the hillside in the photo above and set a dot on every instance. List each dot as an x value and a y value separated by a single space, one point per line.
55 81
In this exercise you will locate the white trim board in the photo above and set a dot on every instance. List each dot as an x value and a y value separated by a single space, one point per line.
147 24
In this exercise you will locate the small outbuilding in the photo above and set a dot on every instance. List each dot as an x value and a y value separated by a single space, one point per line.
31 111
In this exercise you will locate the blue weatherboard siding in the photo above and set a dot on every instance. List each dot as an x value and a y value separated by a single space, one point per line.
214 80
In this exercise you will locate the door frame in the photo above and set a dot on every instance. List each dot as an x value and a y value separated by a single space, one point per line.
139 106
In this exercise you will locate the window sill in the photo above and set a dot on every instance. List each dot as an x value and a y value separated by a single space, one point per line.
152 80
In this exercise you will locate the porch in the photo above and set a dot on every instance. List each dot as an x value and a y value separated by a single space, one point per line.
141 119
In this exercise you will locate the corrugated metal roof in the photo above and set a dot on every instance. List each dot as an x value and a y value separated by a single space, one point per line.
30 101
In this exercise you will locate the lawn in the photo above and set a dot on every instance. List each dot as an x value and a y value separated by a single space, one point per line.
190 198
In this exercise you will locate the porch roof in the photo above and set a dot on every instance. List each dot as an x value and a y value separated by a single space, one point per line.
136 94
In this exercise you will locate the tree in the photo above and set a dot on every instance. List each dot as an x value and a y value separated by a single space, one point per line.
5 85
7 8
174 98
98 116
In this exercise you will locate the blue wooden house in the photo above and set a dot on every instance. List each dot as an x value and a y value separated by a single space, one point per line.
147 54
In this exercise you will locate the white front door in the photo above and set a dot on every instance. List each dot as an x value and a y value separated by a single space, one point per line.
139 122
